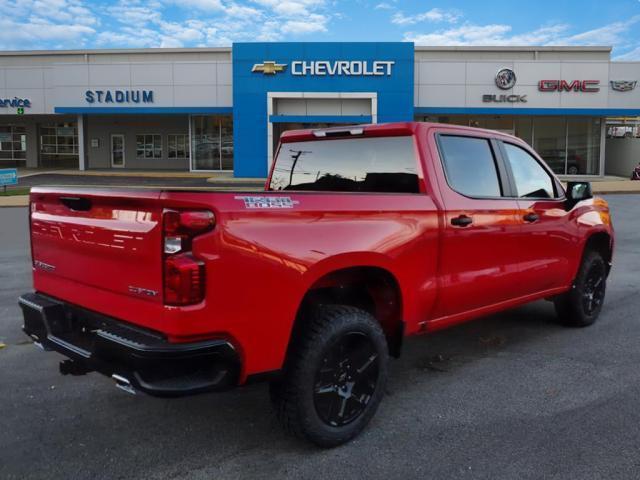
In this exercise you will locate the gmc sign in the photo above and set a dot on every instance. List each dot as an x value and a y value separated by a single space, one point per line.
564 86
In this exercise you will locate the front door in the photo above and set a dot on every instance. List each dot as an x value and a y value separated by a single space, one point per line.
547 242
479 252
117 150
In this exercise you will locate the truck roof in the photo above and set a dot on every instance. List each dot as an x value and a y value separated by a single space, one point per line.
375 130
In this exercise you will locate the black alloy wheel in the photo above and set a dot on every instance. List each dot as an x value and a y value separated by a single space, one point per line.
346 380
593 290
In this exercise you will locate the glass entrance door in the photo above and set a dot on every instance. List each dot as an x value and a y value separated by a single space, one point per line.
117 151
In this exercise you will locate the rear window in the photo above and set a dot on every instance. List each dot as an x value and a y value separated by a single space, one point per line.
374 164
470 166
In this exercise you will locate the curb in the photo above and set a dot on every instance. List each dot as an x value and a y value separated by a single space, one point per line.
252 181
14 201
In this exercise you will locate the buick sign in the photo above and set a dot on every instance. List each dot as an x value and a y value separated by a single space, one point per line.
505 79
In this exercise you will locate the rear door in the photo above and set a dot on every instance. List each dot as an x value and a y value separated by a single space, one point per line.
479 253
547 242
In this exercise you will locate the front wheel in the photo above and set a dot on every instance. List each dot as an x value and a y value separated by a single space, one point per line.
334 378
581 306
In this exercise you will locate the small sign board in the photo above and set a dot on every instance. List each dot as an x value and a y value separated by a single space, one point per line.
8 176
95 142
20 110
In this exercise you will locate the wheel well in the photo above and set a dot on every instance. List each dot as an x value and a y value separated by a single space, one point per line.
600 242
372 289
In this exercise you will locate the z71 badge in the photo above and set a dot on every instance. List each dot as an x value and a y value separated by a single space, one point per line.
251 201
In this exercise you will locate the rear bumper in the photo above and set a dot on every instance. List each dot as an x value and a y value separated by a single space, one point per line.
136 358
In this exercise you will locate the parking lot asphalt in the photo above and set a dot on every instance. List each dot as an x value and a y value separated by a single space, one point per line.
509 396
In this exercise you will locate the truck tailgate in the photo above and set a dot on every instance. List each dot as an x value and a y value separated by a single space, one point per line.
98 238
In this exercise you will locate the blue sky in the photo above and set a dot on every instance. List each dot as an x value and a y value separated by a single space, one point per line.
65 24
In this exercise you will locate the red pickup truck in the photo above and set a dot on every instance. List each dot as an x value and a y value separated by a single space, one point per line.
364 235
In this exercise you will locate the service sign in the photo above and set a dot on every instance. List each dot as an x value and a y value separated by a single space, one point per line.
8 176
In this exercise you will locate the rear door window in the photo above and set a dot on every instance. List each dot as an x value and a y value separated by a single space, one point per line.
470 165
374 164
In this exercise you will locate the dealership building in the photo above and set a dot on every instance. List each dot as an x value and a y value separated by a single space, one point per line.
223 109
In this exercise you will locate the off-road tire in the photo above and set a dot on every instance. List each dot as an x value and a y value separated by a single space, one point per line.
581 305
302 397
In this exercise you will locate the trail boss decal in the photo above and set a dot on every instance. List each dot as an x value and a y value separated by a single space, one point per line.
251 201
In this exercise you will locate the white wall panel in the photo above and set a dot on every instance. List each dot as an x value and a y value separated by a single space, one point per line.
194 73
225 74
356 106
442 95
224 94
194 96
70 75
116 74
530 73
151 74
442 73
24 77
484 73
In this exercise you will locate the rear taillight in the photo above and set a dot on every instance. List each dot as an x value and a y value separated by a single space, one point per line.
184 276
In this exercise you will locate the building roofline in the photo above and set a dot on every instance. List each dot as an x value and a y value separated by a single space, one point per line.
524 48
418 48
111 51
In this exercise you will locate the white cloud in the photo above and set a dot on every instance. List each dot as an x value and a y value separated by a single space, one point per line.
501 34
384 6
203 5
611 34
433 15
314 23
631 55
35 24
291 8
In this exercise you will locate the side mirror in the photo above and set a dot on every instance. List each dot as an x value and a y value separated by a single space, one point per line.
578 191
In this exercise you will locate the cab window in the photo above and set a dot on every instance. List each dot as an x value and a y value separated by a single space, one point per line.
531 180
470 165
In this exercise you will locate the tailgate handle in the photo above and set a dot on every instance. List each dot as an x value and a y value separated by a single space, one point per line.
77 204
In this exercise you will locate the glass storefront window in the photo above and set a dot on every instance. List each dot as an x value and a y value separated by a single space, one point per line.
13 146
524 129
550 141
226 143
583 149
212 141
59 145
178 146
148 145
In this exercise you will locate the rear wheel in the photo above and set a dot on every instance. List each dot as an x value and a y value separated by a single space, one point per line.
334 378
581 306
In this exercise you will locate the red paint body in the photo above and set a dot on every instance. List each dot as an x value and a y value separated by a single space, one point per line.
260 262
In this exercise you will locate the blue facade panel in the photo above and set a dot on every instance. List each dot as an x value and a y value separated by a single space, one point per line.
250 89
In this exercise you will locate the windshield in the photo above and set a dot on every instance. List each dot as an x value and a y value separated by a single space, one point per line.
374 164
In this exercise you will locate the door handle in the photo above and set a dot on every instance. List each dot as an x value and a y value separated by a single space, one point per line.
461 221
531 217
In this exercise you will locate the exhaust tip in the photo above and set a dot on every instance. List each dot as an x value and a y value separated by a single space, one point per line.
123 383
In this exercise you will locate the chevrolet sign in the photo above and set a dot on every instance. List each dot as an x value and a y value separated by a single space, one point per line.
342 67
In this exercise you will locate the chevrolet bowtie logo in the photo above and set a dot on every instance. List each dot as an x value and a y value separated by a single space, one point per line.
269 67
